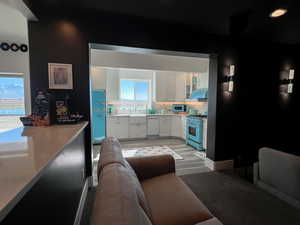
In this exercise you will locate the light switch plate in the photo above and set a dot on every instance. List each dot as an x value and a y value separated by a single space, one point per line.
291 74
231 70
290 88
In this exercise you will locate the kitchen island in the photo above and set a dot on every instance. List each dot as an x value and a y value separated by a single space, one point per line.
42 174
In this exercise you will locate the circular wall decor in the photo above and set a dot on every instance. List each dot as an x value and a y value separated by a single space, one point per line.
14 47
5 46
23 48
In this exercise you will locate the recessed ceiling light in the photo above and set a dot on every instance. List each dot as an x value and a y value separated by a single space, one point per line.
278 12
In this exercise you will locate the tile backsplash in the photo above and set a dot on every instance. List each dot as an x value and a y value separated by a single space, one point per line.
201 107
126 108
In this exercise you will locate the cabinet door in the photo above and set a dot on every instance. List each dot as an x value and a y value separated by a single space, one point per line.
171 87
180 87
137 127
183 123
165 86
112 126
98 78
165 126
152 126
112 85
176 127
123 127
205 133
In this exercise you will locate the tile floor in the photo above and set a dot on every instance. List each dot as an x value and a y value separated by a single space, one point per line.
192 162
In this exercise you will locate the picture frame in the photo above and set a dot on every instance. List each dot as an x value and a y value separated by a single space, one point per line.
60 76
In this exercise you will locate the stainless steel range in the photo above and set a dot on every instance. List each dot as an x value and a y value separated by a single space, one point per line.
194 131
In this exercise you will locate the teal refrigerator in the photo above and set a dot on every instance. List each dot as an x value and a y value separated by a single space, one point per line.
98 116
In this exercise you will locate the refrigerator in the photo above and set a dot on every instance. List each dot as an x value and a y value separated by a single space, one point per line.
98 116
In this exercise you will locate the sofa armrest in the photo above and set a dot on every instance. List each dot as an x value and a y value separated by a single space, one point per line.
213 221
255 172
151 166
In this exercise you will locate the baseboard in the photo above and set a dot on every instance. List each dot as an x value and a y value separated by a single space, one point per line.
81 202
218 165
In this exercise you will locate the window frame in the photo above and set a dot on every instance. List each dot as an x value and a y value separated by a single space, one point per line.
17 75
136 101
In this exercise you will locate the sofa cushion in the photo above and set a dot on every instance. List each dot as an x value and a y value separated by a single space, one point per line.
172 202
140 193
281 171
110 153
116 201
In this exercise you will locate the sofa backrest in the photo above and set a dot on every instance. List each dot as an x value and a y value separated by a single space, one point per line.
114 170
110 153
117 201
280 170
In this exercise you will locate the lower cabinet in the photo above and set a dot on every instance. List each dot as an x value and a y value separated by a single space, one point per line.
176 127
205 133
183 125
165 126
137 127
118 127
152 126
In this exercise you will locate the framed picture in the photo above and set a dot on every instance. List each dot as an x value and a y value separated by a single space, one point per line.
60 76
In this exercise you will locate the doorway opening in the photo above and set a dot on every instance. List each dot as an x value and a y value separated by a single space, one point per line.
149 101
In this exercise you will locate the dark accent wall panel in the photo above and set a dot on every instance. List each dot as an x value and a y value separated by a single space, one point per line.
245 120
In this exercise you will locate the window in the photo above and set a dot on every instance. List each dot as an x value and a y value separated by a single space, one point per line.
135 94
11 101
134 90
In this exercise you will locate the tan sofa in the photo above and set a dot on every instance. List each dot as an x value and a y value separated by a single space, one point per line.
144 191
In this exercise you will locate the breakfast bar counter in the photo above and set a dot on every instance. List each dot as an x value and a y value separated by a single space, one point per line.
36 165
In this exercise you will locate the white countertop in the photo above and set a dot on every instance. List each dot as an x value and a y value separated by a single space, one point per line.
144 115
24 153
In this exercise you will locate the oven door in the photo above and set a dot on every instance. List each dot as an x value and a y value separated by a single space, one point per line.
194 131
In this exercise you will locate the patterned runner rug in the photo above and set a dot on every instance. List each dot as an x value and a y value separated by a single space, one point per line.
150 151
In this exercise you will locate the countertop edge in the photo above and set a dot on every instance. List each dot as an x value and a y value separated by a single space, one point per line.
5 211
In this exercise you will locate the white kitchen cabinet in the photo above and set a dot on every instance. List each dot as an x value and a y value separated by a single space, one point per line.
176 127
152 125
98 78
183 125
165 126
112 85
118 126
165 86
137 127
205 133
180 88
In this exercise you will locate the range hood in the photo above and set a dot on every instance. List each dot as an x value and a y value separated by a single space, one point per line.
201 93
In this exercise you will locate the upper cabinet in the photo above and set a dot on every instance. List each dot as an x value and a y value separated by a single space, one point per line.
112 85
169 86
98 78
164 86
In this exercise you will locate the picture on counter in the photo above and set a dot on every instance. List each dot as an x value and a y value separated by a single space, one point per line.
60 76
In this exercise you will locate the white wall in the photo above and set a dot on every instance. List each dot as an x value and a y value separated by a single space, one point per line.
13 28
148 61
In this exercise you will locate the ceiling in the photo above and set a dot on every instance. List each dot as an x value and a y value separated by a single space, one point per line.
249 18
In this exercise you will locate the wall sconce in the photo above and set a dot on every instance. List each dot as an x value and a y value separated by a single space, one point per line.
291 78
230 78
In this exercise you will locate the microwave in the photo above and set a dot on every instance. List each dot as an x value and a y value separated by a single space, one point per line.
179 108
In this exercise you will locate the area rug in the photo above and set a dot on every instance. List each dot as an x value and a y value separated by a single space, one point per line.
201 155
150 151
